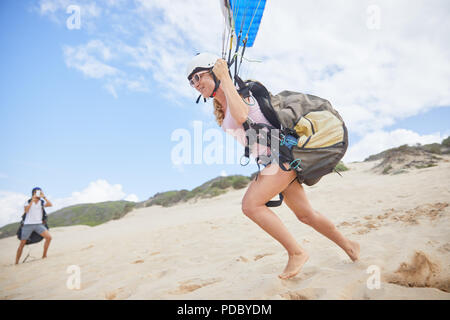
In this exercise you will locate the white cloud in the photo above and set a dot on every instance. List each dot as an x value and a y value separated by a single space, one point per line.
97 191
379 141
372 77
91 60
132 197
52 8
89 13
11 203
381 76
85 58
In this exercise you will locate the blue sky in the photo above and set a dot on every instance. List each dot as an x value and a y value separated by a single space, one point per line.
88 113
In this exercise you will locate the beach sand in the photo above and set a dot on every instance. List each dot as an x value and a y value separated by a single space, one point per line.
211 250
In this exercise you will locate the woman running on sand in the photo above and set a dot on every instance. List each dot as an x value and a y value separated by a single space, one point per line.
231 111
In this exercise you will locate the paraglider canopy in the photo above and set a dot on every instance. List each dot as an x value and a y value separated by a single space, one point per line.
242 20
243 17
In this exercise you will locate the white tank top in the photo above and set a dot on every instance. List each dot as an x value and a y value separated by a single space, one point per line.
34 215
230 126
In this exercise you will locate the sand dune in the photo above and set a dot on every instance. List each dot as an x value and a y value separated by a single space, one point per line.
210 250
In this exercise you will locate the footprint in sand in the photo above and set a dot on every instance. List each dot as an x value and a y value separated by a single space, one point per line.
138 261
163 273
259 256
445 248
420 272
344 224
361 231
304 275
120 293
304 294
432 211
371 225
243 259
194 284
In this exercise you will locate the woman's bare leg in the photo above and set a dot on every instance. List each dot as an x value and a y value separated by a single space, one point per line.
253 205
296 200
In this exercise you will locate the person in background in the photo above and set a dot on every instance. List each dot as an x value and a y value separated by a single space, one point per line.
34 213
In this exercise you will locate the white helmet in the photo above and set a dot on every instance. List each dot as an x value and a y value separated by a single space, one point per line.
200 62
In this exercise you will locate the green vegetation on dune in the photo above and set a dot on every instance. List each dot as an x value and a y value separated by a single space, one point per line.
387 170
434 148
404 158
9 230
90 214
340 167
209 189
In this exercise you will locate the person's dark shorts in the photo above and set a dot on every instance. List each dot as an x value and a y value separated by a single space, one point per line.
27 230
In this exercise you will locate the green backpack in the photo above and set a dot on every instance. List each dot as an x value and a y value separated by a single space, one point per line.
311 135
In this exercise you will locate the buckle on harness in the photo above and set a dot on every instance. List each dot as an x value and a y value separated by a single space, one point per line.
248 160
298 161
288 140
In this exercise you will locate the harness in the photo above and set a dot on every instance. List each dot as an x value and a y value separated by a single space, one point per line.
279 139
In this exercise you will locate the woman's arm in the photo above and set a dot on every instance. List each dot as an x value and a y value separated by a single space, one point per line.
238 108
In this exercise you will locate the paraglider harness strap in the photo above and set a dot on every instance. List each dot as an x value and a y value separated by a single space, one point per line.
285 154
287 139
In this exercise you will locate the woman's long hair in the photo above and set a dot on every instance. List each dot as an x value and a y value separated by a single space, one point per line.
218 112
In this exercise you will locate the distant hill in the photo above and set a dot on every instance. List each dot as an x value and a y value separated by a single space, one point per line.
401 159
90 214
209 189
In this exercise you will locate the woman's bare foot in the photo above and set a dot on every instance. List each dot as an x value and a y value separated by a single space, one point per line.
353 250
294 265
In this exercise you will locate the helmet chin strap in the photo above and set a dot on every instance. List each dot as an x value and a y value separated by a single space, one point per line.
198 99
217 84
216 87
